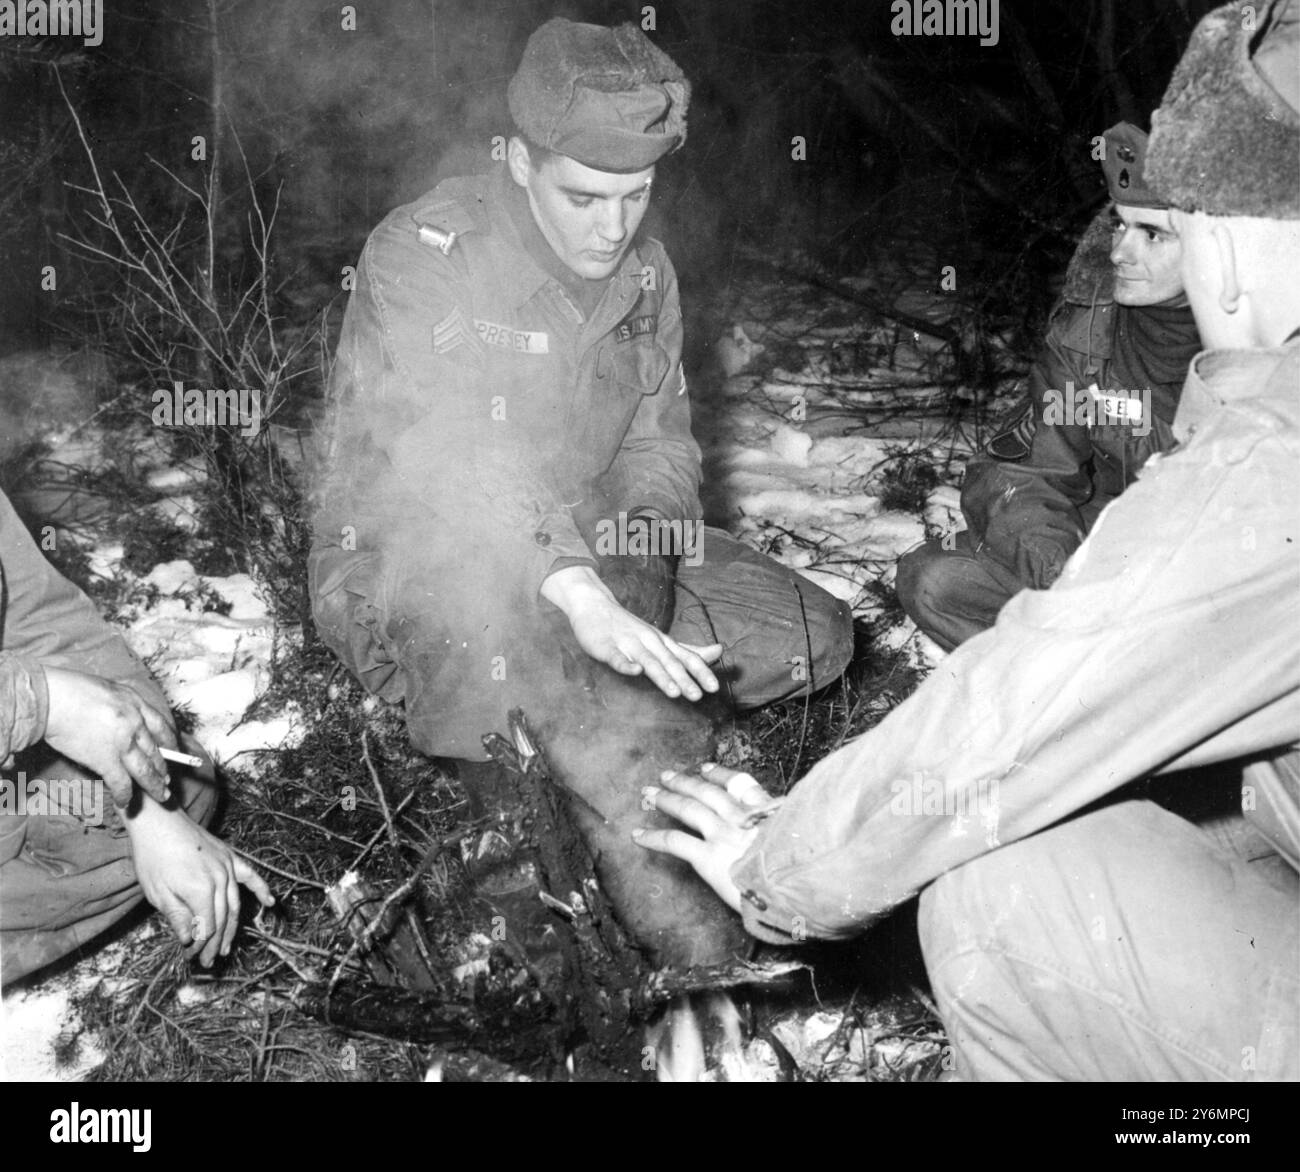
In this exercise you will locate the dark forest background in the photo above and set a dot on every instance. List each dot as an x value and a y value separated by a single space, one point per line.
982 152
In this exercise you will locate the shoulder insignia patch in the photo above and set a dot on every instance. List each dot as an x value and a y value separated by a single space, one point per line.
1015 440
635 327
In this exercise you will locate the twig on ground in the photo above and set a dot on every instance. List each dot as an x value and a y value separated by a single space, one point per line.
366 940
262 863
394 841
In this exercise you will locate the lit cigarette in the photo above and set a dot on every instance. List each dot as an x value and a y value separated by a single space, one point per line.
181 758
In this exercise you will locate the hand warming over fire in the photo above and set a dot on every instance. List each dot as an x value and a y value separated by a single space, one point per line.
724 807
616 637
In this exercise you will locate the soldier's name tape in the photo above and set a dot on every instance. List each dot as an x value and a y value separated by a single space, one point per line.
453 330
1094 407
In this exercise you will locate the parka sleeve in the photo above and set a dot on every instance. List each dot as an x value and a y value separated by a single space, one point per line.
1027 514
48 622
24 704
1171 640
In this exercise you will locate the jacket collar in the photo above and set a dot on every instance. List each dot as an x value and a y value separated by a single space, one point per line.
1218 378
1090 277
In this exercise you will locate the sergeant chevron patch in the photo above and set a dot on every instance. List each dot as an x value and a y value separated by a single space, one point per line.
450 332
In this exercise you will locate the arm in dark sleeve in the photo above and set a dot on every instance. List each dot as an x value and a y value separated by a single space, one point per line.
1171 640
1026 514
658 464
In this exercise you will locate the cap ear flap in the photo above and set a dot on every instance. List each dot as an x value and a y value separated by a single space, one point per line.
679 94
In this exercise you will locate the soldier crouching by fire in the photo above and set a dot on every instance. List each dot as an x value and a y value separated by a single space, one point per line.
508 394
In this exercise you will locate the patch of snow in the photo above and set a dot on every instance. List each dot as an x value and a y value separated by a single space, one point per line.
175 476
105 559
235 747
181 511
35 1018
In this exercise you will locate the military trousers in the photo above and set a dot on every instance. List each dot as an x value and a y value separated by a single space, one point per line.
1125 945
461 658
66 874
953 593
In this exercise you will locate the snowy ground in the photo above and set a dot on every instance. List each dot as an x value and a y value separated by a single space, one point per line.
795 456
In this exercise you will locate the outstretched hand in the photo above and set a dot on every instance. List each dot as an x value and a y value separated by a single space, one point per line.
724 807
614 636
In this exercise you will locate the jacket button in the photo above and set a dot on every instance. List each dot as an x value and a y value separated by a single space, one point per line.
543 539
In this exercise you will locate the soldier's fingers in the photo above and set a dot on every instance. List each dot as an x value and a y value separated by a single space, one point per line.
661 677
120 786
159 727
179 918
199 931
621 662
246 874
232 912
710 654
145 766
741 786
673 842
667 654
693 663
649 654
712 796
689 811
220 912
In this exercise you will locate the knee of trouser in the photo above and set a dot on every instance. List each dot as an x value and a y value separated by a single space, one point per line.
348 603
943 926
923 581
831 636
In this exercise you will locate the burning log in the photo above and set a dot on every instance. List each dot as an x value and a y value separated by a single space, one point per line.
524 1028
401 958
606 991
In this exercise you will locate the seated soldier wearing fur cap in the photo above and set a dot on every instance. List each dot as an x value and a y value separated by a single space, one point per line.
1101 400
1120 942
511 452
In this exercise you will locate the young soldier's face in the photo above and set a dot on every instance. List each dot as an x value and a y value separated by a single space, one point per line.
588 217
1147 254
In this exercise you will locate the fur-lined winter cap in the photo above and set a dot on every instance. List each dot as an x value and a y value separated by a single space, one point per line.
604 96
1226 139
1126 149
